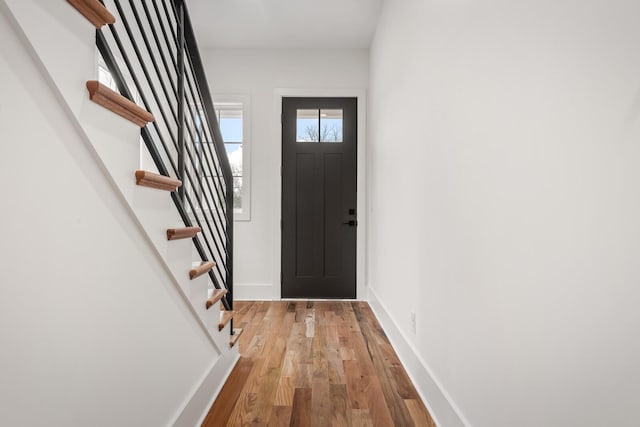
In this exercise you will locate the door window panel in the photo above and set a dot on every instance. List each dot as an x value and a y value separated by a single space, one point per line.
308 126
331 125
322 125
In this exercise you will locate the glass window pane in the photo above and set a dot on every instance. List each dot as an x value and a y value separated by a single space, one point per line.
237 192
234 152
231 125
331 125
307 123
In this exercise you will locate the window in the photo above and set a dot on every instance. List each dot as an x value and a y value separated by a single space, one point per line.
232 112
319 125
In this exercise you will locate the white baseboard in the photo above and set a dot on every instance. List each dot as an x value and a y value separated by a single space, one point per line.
268 292
442 409
197 407
254 292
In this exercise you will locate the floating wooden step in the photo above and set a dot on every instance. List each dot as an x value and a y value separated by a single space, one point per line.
201 269
215 297
94 11
112 100
182 233
225 316
234 338
160 182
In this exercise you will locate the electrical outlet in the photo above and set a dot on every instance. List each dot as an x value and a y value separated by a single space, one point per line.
413 322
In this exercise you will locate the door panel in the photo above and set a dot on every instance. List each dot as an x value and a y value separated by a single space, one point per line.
304 225
333 212
319 141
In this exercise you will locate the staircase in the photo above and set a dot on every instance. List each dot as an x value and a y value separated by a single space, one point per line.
157 138
207 202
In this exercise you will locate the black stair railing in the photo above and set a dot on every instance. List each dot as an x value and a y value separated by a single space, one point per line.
152 56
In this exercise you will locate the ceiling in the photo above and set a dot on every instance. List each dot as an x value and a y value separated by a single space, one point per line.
284 23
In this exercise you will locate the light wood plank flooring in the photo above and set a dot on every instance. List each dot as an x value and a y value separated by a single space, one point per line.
315 364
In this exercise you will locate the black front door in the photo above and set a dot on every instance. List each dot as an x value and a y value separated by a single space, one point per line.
319 152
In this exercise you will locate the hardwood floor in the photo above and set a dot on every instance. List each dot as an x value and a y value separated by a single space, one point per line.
315 364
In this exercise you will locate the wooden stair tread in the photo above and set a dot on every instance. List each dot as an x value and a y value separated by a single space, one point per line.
112 100
235 337
225 316
182 233
153 180
215 297
201 269
94 11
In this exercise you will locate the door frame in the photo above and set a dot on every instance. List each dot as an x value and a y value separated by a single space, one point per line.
361 161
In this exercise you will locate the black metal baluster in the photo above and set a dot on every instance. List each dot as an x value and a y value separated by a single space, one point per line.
181 100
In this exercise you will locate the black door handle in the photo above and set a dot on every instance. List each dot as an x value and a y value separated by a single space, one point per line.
351 223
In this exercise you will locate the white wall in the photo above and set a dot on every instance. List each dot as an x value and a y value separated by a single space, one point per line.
92 329
259 73
504 144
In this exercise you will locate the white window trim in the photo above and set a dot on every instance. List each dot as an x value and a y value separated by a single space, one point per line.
245 99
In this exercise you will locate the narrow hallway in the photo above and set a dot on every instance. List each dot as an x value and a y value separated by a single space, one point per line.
315 364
